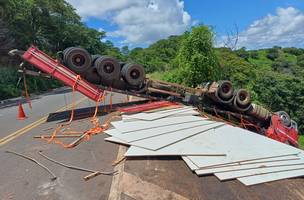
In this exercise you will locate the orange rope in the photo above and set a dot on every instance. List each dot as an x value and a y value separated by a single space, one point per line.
104 102
96 128
52 138
111 99
27 96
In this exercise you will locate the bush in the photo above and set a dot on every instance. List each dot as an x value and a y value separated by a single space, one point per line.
254 54
293 51
272 53
8 83
243 53
196 59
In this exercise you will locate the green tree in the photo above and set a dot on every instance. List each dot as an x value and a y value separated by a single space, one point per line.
196 59
300 60
281 92
234 68
52 25
243 53
125 50
273 53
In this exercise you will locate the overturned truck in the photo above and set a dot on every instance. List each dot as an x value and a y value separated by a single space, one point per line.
219 99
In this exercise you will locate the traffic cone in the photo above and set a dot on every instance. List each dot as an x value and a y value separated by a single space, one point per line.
21 114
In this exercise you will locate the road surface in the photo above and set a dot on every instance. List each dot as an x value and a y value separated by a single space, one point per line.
141 178
22 179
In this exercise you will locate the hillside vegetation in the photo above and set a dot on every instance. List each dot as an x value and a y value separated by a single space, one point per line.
52 25
275 76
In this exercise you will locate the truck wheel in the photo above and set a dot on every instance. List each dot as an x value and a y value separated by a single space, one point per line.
243 98
92 76
108 68
225 90
285 118
133 74
94 58
77 59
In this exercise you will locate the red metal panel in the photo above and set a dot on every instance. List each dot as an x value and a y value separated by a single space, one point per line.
51 66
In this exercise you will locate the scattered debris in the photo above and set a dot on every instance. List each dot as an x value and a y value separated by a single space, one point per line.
57 136
35 161
207 146
95 172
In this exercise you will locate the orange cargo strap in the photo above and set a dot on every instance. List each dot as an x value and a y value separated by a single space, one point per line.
27 96
87 134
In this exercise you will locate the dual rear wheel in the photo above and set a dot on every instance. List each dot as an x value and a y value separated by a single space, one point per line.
107 68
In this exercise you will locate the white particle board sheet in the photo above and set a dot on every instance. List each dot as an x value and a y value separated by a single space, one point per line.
112 132
116 140
126 118
178 149
254 161
253 172
161 141
263 178
240 145
250 166
189 163
148 133
155 116
125 127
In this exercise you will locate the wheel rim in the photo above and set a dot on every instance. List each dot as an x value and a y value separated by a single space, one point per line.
242 96
78 60
108 67
135 74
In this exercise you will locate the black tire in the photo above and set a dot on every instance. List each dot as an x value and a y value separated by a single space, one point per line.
92 76
243 98
94 58
285 118
133 74
64 53
225 90
77 59
108 68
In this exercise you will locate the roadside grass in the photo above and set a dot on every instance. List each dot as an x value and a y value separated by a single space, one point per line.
156 75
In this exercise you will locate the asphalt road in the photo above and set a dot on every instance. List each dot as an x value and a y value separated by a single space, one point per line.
23 179
140 178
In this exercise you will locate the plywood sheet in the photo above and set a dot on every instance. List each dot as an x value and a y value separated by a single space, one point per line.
240 145
250 166
177 149
253 172
263 178
148 133
116 140
190 164
161 141
125 127
155 116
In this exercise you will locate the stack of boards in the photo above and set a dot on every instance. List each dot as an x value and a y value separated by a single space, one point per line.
206 146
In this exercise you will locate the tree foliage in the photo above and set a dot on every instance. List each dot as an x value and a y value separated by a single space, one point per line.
274 76
52 25
158 56
196 58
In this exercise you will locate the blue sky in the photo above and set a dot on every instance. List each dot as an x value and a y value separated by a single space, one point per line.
261 23
224 13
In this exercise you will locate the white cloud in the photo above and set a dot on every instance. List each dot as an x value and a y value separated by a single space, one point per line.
138 21
285 28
